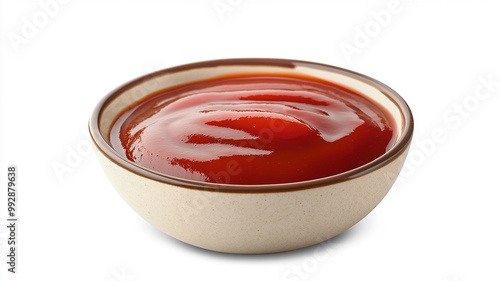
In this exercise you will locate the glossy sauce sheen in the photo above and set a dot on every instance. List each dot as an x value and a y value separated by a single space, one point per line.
255 129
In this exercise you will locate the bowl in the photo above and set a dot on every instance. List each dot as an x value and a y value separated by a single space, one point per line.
251 219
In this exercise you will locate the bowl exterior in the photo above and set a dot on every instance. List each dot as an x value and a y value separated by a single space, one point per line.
253 223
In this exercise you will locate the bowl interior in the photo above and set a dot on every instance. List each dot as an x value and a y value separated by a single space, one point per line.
121 98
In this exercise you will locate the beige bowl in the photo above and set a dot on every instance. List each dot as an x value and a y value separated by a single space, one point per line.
251 219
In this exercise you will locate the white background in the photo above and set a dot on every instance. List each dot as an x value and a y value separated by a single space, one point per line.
439 222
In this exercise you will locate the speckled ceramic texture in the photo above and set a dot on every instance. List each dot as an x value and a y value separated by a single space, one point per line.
251 219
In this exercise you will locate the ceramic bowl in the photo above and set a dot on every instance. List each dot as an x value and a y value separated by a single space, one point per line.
259 218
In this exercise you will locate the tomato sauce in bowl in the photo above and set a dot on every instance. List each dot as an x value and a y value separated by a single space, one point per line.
252 156
252 129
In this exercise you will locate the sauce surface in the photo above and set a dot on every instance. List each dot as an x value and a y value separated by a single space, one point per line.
255 129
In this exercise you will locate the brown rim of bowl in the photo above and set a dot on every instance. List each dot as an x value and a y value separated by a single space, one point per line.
381 161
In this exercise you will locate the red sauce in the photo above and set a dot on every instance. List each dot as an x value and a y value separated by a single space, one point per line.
256 129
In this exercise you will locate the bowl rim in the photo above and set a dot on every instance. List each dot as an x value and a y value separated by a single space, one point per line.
390 155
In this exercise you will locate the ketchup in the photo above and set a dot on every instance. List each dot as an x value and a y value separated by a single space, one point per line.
253 129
